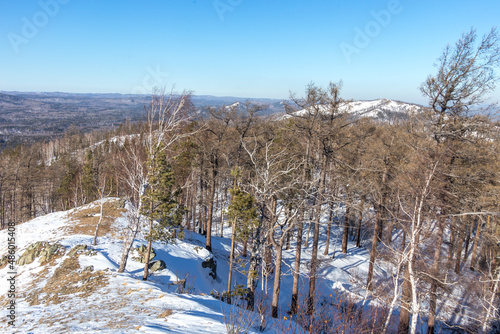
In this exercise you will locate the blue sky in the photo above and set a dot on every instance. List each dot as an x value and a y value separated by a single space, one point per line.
244 48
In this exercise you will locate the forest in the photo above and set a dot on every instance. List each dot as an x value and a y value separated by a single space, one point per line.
422 193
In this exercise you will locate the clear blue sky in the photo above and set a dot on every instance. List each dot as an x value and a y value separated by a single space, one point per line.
245 48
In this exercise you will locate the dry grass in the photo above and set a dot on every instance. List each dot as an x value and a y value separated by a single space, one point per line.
85 219
68 281
164 314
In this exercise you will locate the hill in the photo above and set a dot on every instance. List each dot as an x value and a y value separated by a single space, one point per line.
32 116
73 287
380 109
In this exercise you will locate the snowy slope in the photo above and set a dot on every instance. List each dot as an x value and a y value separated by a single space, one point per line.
382 109
122 303
85 294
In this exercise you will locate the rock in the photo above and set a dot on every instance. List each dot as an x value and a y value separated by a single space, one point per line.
142 249
4 261
49 252
77 249
41 249
157 265
212 264
31 253
88 269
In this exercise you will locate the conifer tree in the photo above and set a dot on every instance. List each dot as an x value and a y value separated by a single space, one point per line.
243 216
159 203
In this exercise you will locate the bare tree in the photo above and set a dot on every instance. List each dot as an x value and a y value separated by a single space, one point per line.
165 117
101 191
466 74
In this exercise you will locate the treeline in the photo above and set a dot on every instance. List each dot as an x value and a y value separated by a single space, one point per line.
424 192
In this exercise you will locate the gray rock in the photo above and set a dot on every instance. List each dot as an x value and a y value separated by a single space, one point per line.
142 249
31 253
88 269
48 252
157 265
212 264
77 249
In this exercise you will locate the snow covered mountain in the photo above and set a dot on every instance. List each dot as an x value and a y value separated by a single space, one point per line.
380 109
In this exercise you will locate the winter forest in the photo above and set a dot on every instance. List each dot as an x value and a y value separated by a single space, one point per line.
419 193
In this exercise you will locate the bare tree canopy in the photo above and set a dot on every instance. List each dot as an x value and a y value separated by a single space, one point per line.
466 74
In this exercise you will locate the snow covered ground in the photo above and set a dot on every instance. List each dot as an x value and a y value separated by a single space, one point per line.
86 294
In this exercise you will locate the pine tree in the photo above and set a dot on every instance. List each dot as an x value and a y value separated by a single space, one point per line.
89 177
243 216
160 203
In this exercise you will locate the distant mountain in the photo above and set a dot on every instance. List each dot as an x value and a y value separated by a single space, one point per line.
10 99
29 116
381 109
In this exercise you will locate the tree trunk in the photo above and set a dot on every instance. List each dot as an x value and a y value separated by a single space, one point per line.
474 248
244 252
124 258
127 246
434 283
491 308
193 209
451 249
458 256
345 235
296 270
148 252
470 230
98 224
328 230
314 254
360 220
210 212
308 234
373 251
252 268
231 258
221 215
277 277
405 313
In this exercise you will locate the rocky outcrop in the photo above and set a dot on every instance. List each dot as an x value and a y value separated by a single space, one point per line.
141 250
42 250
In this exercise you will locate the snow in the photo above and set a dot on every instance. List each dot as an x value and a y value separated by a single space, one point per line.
127 304
372 108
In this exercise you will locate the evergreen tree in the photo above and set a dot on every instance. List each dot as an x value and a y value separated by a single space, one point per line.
89 177
243 216
160 200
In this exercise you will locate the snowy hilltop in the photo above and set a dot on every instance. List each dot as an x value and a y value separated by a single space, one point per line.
64 284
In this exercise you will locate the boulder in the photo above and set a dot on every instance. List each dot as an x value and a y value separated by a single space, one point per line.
31 253
142 249
77 249
157 265
212 264
49 252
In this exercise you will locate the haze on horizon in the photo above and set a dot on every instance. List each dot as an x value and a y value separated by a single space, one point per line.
264 49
